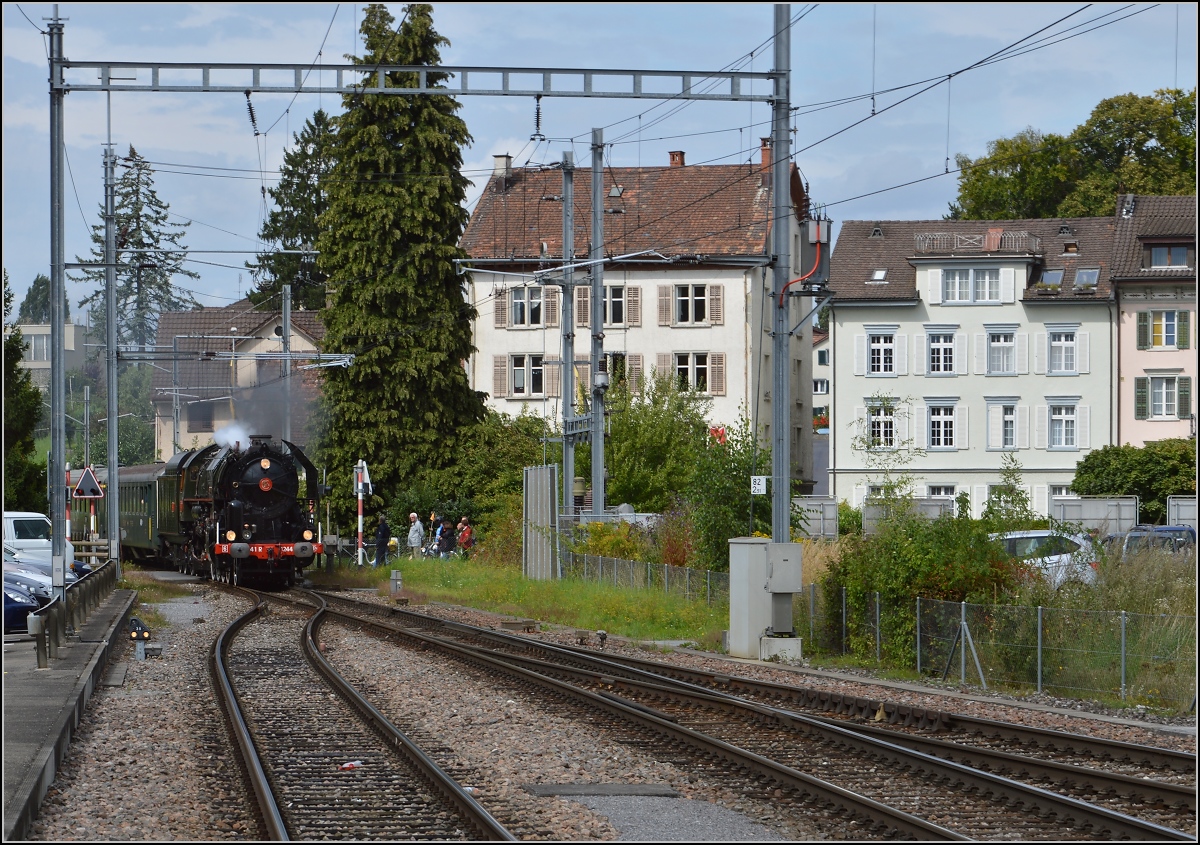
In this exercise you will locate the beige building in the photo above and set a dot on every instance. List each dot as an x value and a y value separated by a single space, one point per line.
37 350
221 366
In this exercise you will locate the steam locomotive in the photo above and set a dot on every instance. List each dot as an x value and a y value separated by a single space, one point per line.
228 512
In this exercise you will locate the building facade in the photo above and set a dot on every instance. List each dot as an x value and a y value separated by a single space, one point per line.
686 284
956 343
1154 276
37 350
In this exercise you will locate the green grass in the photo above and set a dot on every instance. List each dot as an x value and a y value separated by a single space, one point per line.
149 592
637 614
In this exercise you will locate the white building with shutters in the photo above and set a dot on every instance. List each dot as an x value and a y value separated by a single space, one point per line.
956 343
693 302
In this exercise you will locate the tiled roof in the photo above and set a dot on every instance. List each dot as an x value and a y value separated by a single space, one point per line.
212 330
896 246
1141 217
703 210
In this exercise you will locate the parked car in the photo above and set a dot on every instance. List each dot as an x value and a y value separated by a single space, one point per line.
32 560
29 533
1060 558
35 583
17 606
1172 538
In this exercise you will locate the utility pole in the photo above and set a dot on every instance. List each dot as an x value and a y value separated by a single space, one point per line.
781 400
58 423
568 328
599 366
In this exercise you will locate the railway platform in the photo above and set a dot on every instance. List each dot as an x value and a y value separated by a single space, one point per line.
43 707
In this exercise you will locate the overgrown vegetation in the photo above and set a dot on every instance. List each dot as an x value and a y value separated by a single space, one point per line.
1152 472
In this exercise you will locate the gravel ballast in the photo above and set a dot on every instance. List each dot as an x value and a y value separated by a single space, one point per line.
150 761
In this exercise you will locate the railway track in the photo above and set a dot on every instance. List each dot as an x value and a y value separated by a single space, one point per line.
964 799
322 762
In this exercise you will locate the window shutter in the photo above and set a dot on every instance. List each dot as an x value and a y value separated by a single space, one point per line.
1039 353
1041 499
861 423
583 382
1022 339
1183 329
1039 427
1083 427
716 373
921 417
1183 397
499 376
583 306
960 427
995 426
901 341
1141 398
501 312
919 355
553 367
1022 426
716 305
1143 330
662 363
1008 284
980 354
633 371
860 354
960 354
935 287
664 305
550 295
902 416
633 304
979 497
1083 352
860 495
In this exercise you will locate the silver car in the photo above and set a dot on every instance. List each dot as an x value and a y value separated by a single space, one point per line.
36 563
35 583
1060 558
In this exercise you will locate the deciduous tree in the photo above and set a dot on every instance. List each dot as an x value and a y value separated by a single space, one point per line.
1152 472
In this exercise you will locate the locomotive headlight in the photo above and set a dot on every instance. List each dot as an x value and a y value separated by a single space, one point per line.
231 535
308 535
265 463
246 534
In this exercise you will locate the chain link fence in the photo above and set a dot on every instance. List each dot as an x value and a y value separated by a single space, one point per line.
690 584
1079 653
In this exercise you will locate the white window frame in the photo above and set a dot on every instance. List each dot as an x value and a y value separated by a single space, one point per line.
963 285
693 370
687 297
1164 397
881 426
1159 327
885 344
1062 431
615 300
944 344
1061 491
39 347
1063 352
525 371
941 422
820 386
938 491
1008 427
527 307
996 349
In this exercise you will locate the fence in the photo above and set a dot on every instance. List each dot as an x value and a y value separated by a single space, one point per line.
689 584
1079 653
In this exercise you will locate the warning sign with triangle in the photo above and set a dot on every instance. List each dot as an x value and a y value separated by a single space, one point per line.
88 487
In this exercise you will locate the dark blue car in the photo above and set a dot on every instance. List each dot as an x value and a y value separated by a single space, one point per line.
17 605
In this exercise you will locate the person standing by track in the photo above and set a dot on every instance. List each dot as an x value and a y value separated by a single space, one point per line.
416 536
383 535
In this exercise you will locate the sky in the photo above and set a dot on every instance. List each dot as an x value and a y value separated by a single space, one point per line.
211 167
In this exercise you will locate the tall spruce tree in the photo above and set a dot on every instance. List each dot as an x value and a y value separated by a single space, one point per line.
293 224
388 241
35 307
145 286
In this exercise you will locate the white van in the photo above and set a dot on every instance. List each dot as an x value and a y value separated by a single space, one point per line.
29 534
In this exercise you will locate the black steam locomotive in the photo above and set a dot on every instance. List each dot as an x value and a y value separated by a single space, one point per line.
228 512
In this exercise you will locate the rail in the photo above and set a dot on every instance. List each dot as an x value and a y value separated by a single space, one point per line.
51 625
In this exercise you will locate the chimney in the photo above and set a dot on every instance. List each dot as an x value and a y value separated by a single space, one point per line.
676 158
766 162
502 170
991 243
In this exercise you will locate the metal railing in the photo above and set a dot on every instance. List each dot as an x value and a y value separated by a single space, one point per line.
51 625
980 242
